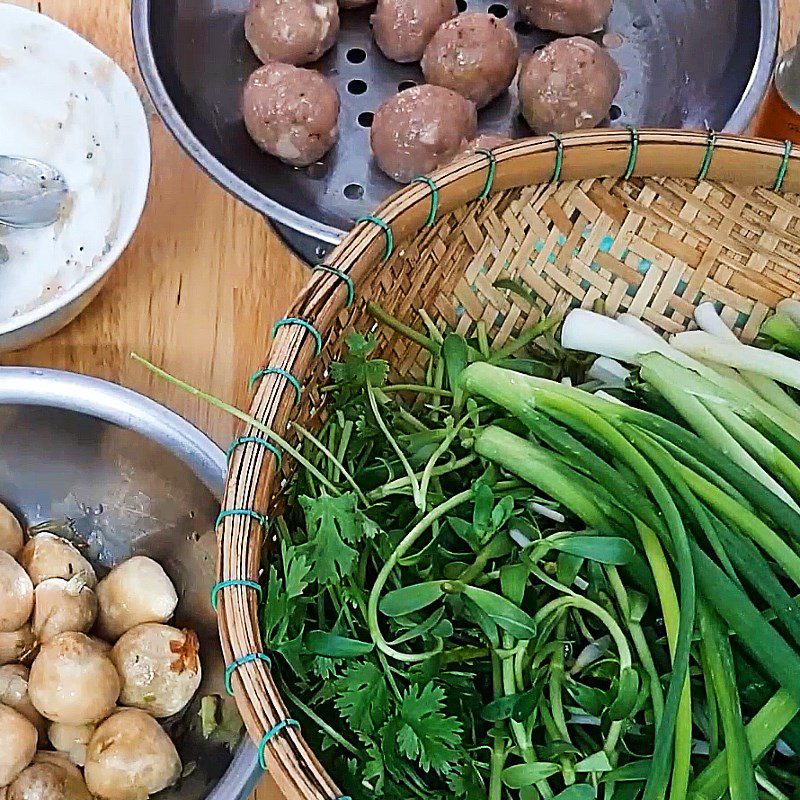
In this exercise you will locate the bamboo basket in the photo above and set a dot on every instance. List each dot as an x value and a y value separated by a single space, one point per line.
683 217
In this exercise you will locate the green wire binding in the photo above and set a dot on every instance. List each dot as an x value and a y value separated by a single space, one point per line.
218 587
487 187
386 229
241 512
705 166
634 152
434 198
269 735
234 665
284 374
351 289
303 323
240 440
559 158
787 151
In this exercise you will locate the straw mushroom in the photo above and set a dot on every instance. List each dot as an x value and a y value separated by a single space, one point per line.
62 606
18 740
101 644
136 591
71 740
49 556
10 532
14 694
130 757
16 594
49 777
19 645
159 667
71 681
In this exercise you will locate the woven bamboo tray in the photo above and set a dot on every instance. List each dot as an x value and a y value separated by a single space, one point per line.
684 217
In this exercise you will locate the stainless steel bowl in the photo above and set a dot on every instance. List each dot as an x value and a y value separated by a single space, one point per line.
134 478
685 63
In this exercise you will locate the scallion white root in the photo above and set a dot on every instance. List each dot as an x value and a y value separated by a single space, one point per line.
701 345
707 318
791 308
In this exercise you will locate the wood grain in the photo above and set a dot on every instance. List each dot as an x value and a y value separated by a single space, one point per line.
204 278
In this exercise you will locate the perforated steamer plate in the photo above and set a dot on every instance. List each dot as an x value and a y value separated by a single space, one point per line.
685 63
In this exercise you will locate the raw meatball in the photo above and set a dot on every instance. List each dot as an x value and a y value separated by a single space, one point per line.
16 594
403 28
475 55
130 757
420 129
291 31
486 141
72 682
18 740
568 17
10 532
569 84
136 591
291 113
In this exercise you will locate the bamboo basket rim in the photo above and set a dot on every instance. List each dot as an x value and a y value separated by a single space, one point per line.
254 475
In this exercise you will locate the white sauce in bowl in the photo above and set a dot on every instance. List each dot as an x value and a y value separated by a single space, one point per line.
66 103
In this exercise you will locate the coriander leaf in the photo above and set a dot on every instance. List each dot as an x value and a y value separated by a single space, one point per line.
330 522
292 651
275 611
295 569
369 529
363 699
426 734
357 369
465 781
324 667
375 768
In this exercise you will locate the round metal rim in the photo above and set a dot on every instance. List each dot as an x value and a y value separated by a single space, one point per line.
140 17
140 13
761 75
130 410
138 189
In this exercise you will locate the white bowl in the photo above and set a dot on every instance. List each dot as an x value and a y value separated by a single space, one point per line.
66 103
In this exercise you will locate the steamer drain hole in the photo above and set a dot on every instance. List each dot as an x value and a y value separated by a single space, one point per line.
354 191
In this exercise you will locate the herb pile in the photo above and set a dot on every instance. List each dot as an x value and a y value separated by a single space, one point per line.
539 573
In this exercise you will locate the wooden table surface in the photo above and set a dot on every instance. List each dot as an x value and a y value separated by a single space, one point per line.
204 278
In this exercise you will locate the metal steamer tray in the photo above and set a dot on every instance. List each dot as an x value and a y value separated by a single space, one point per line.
685 64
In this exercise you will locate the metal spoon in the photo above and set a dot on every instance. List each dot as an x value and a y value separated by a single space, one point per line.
32 193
